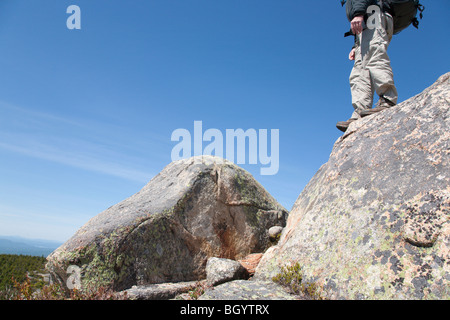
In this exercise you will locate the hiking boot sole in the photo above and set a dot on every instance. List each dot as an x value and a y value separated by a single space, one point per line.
369 112
343 125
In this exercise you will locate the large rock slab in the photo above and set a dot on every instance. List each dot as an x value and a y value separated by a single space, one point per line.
194 209
373 223
248 290
160 291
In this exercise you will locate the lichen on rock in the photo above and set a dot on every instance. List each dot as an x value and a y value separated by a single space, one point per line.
192 210
373 223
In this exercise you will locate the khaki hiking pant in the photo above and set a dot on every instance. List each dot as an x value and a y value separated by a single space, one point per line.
372 71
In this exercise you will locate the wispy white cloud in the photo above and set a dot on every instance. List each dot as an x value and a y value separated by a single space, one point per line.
69 142
78 160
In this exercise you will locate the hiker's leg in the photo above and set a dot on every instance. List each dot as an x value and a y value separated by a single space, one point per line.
360 86
375 59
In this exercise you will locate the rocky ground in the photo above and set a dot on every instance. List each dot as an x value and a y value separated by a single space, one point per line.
373 223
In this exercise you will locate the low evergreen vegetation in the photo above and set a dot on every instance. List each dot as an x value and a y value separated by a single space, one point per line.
17 268
22 278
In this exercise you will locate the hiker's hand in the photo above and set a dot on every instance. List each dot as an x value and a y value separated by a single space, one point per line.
357 24
351 55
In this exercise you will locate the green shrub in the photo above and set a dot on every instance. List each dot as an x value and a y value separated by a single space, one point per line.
291 276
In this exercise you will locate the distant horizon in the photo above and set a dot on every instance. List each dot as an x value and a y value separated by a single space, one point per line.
3 236
27 246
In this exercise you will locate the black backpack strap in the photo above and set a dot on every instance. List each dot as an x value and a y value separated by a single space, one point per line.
348 34
421 8
415 22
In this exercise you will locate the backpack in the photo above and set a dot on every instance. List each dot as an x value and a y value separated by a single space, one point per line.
404 12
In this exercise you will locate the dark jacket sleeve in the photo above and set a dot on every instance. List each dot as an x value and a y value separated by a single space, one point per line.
358 7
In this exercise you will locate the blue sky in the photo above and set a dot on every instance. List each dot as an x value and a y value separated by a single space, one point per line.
86 116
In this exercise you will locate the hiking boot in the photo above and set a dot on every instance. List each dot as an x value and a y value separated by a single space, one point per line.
382 104
369 112
343 125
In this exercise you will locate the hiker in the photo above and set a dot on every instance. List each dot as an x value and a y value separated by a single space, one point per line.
372 72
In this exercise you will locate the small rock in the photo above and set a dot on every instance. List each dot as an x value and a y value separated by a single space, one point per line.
275 232
219 271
